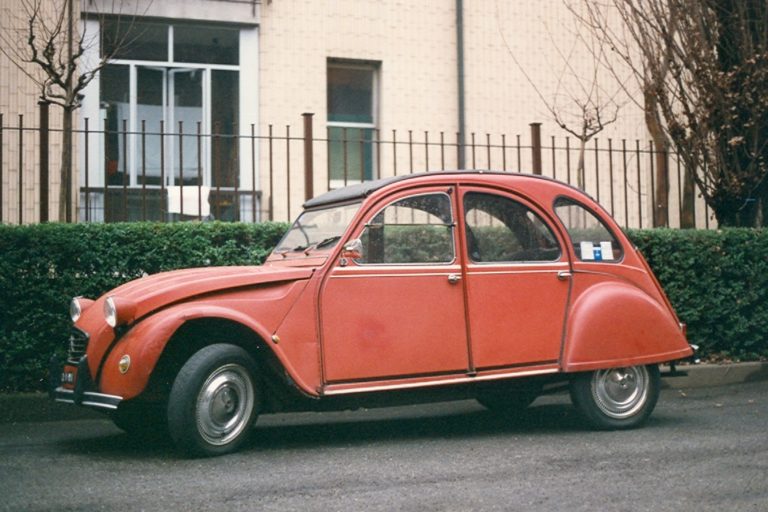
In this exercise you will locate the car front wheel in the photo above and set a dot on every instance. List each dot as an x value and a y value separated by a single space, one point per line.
616 398
214 401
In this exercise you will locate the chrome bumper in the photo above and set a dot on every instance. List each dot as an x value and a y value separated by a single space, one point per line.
87 398
82 393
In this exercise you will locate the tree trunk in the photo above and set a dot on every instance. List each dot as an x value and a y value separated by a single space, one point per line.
661 192
580 175
687 214
742 212
65 191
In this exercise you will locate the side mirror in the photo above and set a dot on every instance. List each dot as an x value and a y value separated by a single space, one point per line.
353 249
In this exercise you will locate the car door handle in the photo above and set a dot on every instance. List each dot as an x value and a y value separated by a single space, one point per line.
454 278
564 275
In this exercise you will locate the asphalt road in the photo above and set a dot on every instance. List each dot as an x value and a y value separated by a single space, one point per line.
703 449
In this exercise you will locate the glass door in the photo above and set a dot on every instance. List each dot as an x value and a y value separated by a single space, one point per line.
151 120
186 121
174 97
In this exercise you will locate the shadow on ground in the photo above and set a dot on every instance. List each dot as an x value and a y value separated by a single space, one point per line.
327 430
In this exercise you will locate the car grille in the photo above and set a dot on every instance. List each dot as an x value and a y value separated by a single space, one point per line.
78 343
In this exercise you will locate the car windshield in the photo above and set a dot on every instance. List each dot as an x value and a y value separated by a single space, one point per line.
318 229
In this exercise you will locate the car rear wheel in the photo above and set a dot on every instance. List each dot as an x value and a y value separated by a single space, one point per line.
214 401
616 398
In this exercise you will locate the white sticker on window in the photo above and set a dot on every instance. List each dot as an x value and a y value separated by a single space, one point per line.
587 251
607 249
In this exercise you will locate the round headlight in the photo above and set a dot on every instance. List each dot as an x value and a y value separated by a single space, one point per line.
119 311
75 309
110 312
77 306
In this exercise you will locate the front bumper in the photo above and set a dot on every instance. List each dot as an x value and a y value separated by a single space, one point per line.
87 398
79 388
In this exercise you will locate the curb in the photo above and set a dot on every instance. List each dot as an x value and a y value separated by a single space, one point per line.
710 375
37 407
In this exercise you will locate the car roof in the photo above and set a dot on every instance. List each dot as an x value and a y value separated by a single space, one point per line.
363 190
356 191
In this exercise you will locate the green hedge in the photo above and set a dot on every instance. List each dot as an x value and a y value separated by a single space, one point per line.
43 266
718 283
717 280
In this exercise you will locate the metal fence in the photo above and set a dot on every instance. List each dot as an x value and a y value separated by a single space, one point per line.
178 173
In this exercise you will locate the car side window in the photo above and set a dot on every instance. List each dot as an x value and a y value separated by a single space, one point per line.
500 229
592 240
416 230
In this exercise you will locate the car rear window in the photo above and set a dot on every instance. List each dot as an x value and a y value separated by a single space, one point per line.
591 238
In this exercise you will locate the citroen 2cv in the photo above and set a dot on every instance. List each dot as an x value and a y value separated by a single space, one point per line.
435 286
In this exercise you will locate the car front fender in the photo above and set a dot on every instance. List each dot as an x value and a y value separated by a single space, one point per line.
144 343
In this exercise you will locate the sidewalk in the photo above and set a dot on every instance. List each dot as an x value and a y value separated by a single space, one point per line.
21 407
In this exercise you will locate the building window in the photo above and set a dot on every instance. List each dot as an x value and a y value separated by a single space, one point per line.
134 39
170 101
351 121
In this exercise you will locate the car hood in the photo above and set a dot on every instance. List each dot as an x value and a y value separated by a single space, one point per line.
158 290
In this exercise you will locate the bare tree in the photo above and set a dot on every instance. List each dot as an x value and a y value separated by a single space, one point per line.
51 41
589 109
596 17
580 104
702 66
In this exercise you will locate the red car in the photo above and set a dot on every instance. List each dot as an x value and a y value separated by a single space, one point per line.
494 286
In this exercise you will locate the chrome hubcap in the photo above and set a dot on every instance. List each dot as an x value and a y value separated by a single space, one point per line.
620 392
225 404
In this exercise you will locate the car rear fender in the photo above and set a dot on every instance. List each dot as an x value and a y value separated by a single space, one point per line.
614 324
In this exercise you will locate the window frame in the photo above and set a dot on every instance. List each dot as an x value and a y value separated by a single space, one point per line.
133 149
538 214
600 220
452 225
375 68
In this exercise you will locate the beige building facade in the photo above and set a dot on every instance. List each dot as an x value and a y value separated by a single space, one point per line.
393 86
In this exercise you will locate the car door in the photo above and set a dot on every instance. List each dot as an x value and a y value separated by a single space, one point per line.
518 279
398 310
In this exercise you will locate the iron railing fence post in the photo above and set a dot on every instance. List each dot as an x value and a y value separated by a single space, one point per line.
44 162
536 148
271 211
2 203
21 169
309 160
87 215
288 171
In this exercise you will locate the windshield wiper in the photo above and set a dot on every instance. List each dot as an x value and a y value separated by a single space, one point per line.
319 245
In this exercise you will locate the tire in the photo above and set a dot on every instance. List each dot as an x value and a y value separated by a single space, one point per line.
214 401
616 398
511 399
